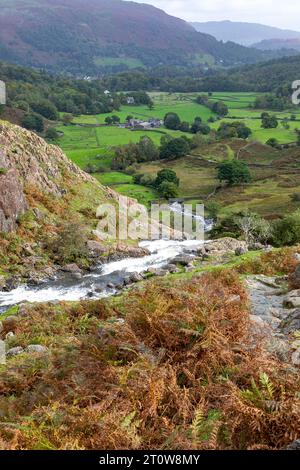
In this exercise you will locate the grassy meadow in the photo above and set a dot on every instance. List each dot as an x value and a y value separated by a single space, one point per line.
271 186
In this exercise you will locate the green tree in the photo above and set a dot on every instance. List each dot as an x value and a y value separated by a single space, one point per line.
268 121
174 148
234 172
46 109
287 230
172 121
168 190
108 120
166 175
33 122
51 134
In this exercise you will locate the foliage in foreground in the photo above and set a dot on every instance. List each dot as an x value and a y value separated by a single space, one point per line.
172 366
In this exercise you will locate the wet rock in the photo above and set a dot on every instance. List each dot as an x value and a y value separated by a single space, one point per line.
37 349
77 276
111 285
127 281
71 268
136 277
292 300
184 260
15 351
98 290
90 294
96 248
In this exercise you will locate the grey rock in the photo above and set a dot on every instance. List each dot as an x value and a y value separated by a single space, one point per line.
291 322
15 351
136 277
227 244
184 260
77 276
172 268
127 281
111 285
96 248
296 358
36 348
294 445
297 257
292 300
71 268
241 250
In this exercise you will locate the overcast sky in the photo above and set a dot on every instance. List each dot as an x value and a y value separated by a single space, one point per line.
281 13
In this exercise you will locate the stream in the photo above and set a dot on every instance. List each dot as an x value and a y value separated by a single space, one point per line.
95 283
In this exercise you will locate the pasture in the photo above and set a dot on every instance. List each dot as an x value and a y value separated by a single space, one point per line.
94 146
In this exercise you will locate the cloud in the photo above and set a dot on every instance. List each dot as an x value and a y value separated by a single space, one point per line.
283 14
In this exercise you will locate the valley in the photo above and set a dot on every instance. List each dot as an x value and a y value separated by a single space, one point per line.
131 326
275 172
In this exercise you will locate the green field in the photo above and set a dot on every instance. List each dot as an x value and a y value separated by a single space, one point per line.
95 146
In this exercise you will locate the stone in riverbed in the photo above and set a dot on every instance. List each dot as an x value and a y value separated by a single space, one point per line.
71 268
96 248
136 277
184 260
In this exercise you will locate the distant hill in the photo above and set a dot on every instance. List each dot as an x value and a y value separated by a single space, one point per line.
277 44
94 36
243 33
272 76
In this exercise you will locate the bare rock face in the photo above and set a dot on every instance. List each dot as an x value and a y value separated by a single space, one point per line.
27 160
12 199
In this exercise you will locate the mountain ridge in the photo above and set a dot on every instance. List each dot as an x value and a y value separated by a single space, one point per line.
91 36
244 33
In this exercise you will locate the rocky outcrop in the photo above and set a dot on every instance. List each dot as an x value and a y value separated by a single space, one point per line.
36 162
27 160
12 199
226 244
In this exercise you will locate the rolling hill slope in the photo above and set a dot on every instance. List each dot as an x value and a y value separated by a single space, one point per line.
90 36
